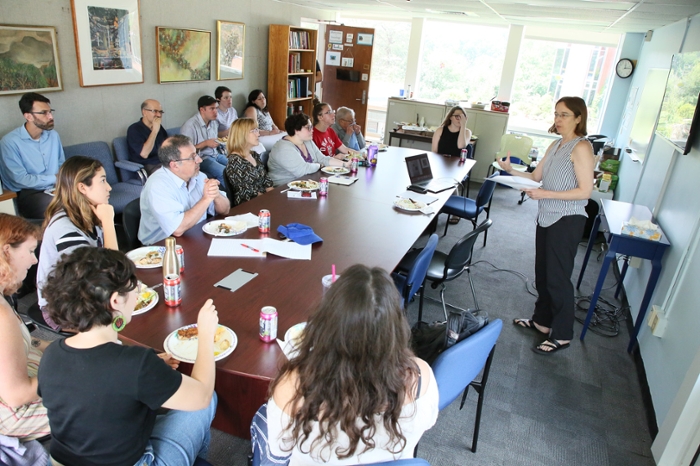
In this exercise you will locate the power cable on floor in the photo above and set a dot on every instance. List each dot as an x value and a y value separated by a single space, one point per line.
606 316
522 276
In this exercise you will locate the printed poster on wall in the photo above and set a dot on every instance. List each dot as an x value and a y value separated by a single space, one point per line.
335 37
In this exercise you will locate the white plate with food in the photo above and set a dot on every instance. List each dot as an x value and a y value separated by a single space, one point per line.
358 155
304 185
408 205
183 342
222 140
225 227
293 335
335 170
147 257
147 300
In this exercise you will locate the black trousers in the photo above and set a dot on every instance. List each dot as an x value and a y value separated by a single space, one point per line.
32 203
555 251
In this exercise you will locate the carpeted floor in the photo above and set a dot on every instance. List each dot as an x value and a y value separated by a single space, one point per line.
581 406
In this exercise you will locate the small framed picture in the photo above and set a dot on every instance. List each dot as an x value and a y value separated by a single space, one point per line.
230 50
30 69
107 41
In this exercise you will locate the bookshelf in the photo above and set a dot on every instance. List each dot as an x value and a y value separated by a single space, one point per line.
291 70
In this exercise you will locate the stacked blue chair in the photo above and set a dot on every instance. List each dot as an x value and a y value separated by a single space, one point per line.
412 281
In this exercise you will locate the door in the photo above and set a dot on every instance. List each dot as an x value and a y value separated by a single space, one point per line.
346 67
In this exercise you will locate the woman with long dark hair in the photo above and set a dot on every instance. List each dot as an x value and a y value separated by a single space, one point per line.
78 215
566 173
355 393
256 109
453 135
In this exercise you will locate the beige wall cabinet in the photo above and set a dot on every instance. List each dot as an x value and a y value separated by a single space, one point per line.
488 126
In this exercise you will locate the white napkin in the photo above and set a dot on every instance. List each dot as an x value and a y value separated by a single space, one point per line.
298 195
642 224
287 348
250 219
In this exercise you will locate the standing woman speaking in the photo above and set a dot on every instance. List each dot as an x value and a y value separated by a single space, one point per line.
566 173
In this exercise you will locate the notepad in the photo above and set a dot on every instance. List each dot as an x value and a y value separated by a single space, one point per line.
344 180
225 247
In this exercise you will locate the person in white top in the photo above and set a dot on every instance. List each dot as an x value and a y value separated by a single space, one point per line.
355 393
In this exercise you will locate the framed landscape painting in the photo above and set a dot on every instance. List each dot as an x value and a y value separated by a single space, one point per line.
183 55
28 60
230 50
107 41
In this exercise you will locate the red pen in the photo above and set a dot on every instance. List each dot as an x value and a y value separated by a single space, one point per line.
252 249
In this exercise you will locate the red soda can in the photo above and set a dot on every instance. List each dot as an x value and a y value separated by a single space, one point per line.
268 324
323 189
463 156
172 290
264 221
355 163
180 257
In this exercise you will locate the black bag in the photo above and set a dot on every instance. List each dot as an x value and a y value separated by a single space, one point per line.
429 340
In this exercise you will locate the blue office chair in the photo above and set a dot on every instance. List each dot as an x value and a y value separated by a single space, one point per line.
131 172
413 282
131 219
173 131
228 189
457 367
446 267
464 207
122 193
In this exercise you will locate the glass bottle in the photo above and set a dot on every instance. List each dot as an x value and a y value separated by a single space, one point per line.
170 264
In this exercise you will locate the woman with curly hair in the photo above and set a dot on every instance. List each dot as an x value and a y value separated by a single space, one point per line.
102 396
78 215
22 413
355 393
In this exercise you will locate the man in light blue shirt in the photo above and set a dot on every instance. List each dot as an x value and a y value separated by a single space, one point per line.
31 156
203 130
177 196
347 130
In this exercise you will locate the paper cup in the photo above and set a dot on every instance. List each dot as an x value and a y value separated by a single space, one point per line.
327 281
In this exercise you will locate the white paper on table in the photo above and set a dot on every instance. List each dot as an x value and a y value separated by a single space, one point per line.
250 219
288 249
516 182
424 198
299 195
340 179
287 348
222 247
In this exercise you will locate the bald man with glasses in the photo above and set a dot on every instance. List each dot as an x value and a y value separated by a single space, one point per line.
146 136
31 156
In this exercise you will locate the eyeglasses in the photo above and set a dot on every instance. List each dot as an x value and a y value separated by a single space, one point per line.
255 130
562 115
43 113
160 112
459 116
329 112
310 127
348 121
193 158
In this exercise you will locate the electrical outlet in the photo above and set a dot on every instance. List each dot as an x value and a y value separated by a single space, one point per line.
657 321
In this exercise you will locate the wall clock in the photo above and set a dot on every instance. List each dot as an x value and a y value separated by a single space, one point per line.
624 68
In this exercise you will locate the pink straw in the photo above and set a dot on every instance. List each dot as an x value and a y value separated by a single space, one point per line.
333 273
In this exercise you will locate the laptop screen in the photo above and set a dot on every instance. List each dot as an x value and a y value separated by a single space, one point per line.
419 168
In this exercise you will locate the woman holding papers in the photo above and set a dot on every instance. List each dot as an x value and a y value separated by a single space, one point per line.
566 173
355 393
296 155
453 135
102 397
245 172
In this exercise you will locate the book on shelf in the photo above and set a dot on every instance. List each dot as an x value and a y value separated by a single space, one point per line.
299 40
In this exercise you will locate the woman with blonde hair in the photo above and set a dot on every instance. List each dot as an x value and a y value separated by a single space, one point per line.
245 172
355 393
22 413
78 215
453 135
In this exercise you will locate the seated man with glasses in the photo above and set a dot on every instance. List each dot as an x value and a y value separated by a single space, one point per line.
203 130
347 130
146 136
177 196
31 156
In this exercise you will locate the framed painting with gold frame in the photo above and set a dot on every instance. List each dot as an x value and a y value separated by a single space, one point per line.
230 50
29 60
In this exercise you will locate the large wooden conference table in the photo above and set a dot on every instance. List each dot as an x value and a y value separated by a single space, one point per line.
358 224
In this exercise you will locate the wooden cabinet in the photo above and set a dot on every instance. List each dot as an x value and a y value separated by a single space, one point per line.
488 126
291 70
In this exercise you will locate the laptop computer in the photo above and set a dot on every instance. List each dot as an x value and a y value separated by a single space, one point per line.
421 176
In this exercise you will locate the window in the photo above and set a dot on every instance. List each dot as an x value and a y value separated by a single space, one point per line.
461 61
549 70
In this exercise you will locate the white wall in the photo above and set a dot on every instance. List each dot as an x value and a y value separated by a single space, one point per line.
667 182
105 112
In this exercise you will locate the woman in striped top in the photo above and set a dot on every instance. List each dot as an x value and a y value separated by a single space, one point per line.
566 173
79 215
